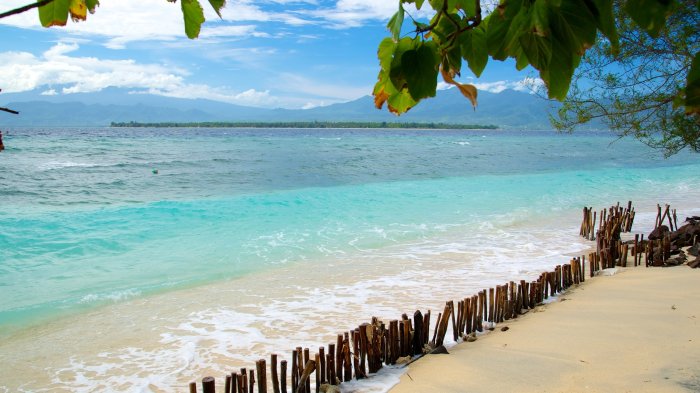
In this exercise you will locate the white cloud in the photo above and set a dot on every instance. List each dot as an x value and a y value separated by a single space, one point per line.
529 85
57 71
124 21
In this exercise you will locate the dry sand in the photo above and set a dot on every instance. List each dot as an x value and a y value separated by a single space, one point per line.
635 331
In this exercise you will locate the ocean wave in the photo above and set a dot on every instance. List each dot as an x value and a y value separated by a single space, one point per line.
116 296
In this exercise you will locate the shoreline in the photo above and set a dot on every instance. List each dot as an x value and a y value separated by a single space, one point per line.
193 335
635 331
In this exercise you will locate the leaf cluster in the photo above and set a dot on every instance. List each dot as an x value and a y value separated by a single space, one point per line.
549 35
645 88
56 12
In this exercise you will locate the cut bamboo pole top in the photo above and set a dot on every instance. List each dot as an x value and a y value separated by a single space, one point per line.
637 331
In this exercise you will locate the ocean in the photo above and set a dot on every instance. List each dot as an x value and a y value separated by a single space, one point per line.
142 259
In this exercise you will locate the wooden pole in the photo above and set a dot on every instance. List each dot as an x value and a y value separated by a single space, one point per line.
234 382
307 387
261 367
283 376
331 364
208 385
308 369
339 358
318 372
293 370
418 333
322 358
347 373
273 374
243 388
193 387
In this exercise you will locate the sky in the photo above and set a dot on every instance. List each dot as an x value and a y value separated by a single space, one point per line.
265 53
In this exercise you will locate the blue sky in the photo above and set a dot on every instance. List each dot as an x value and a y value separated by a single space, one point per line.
267 53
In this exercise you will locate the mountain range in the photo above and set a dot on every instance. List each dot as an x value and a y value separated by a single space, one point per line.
508 109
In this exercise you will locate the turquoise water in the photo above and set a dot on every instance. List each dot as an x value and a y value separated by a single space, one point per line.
84 221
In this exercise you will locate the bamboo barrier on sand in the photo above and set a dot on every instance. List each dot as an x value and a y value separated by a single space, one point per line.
361 352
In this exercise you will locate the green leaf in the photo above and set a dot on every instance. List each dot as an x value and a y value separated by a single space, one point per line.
605 21
420 68
401 102
557 76
385 53
575 24
396 73
452 60
444 28
194 17
91 5
396 22
77 10
538 50
217 5
54 13
474 50
650 15
385 92
419 3
692 87
468 6
437 4
498 25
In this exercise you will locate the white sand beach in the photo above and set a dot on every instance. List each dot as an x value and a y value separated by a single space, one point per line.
635 331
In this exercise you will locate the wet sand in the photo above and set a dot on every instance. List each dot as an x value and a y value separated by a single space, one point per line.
635 331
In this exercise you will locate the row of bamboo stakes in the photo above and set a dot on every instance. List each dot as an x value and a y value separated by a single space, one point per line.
363 351
613 216
667 213
611 251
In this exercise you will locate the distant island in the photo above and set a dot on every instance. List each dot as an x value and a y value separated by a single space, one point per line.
310 124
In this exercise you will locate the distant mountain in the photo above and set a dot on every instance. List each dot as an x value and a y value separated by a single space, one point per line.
508 109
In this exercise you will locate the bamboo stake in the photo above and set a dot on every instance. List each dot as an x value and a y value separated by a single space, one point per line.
208 385
308 369
243 380
273 374
283 376
318 372
322 358
234 382
262 375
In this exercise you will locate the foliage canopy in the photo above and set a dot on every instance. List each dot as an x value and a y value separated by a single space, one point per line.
638 91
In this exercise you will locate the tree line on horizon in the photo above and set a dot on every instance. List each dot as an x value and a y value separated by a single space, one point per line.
310 124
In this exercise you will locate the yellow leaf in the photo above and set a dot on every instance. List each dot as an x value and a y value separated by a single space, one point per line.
468 91
380 98
78 10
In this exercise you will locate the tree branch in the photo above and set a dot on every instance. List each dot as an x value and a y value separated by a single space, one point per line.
25 8
9 110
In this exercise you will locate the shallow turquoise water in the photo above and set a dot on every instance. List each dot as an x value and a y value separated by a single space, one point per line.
85 221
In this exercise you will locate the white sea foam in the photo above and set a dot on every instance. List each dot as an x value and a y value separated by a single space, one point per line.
213 330
117 296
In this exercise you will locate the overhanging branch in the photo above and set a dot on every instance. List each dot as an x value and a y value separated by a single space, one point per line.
9 110
25 8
